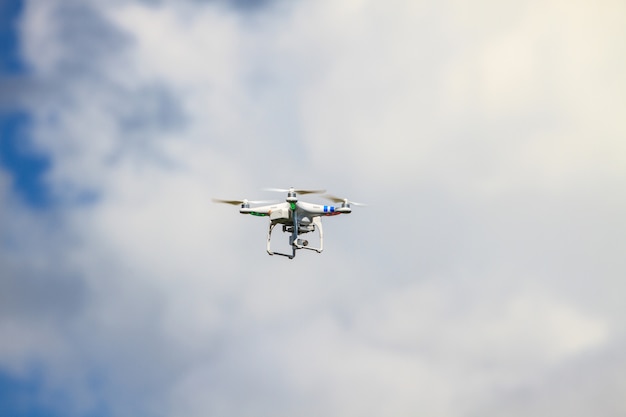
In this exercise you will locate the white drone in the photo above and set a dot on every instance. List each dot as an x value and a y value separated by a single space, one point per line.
296 217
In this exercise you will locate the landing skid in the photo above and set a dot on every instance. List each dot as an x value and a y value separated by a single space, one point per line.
294 239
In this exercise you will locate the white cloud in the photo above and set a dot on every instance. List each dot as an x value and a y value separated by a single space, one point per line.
490 258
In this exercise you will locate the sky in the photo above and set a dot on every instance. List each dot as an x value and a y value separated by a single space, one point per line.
484 278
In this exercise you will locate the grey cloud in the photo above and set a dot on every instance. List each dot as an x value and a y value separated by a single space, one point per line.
590 384
154 108
90 40
81 85
27 292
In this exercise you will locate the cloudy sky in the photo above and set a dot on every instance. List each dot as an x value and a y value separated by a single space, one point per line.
485 278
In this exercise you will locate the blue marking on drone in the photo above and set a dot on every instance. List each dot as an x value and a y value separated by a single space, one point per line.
329 209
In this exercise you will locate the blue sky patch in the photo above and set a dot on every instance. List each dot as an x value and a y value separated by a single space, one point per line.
21 397
10 60
27 396
24 165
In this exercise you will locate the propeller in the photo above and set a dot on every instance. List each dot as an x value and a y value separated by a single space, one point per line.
238 202
298 191
336 199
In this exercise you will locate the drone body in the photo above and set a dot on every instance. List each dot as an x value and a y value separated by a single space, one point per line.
296 217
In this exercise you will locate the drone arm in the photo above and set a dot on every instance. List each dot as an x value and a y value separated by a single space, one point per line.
319 210
255 211
260 210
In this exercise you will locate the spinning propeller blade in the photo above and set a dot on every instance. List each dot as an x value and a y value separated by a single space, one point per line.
238 202
336 199
297 191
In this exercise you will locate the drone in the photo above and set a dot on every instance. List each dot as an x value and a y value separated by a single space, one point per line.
296 217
